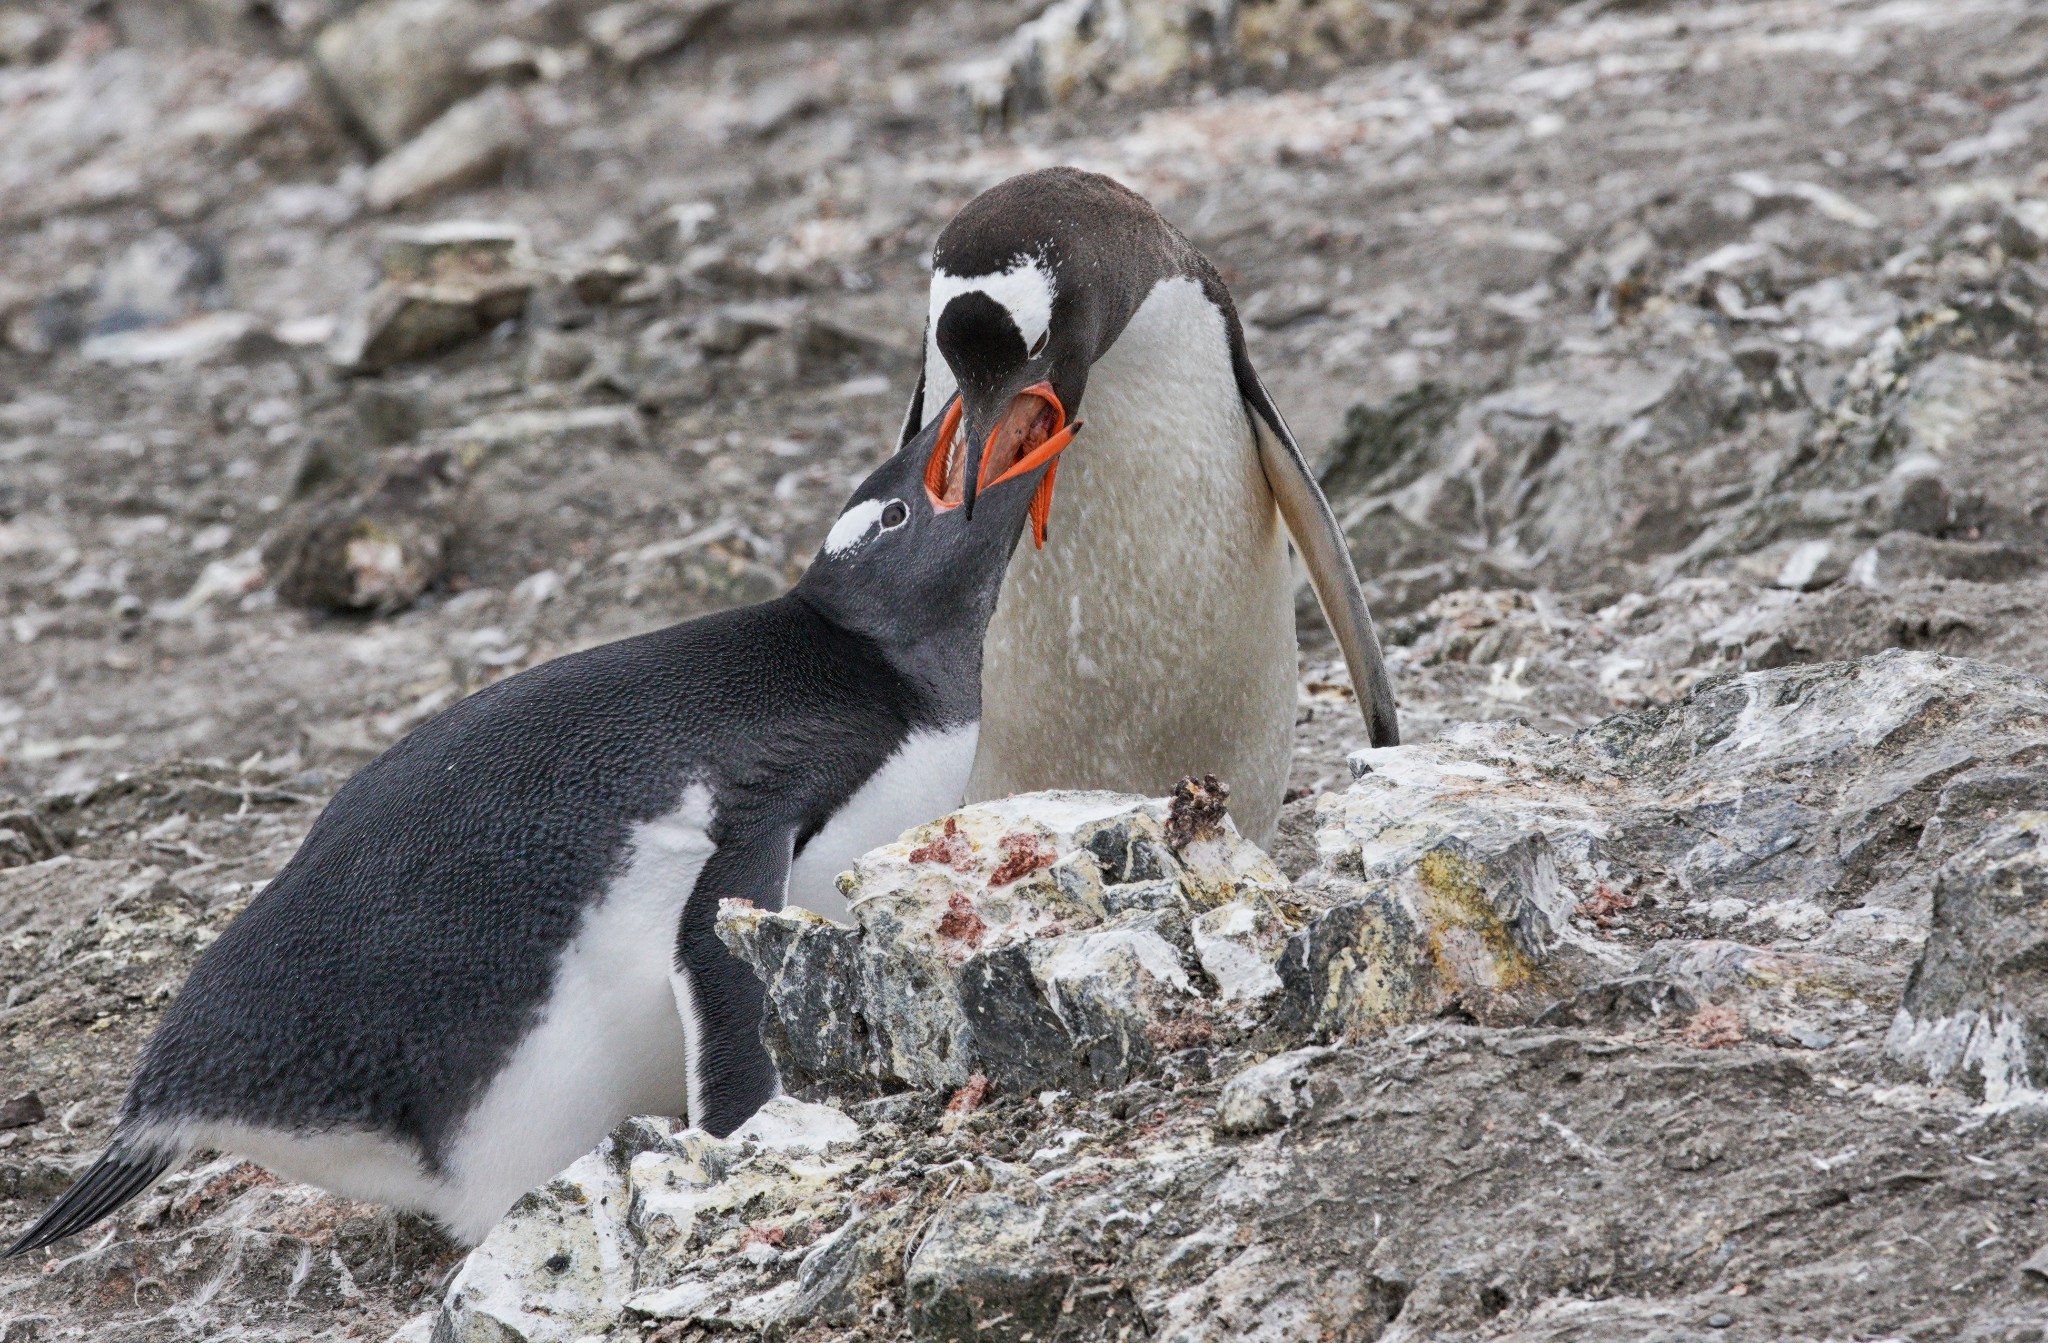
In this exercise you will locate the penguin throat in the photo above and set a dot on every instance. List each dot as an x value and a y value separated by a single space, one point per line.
1032 433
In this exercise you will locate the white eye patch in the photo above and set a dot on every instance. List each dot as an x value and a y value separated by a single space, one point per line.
864 518
1024 291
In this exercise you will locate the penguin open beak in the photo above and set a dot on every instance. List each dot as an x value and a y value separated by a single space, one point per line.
1032 433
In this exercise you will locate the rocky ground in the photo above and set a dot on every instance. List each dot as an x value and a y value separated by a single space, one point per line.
1660 360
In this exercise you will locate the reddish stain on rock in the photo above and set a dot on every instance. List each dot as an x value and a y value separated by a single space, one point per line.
1023 854
1179 1033
1605 902
968 1099
1713 1027
950 847
960 922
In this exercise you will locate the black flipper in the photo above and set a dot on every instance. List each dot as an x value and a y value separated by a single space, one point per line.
731 1070
123 1171
1321 543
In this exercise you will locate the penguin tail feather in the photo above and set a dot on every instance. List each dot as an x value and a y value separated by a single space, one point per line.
123 1171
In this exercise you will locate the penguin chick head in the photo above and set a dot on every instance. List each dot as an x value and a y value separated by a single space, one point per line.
904 565
1031 282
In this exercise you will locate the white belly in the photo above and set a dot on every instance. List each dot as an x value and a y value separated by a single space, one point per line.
926 778
1154 635
609 1044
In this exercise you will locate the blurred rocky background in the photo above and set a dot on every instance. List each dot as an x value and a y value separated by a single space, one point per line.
1673 368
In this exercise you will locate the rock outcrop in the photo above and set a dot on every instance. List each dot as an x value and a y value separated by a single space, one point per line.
1547 1035
1041 942
440 285
1976 1012
1065 1077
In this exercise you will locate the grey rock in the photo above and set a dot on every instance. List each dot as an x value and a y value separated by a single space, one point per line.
505 59
1562 467
819 1034
1462 924
984 944
22 1111
1076 47
1904 556
157 279
558 1265
469 144
1238 944
376 548
1976 1011
978 1274
1460 871
1919 502
442 284
637 31
555 357
2023 228
729 330
191 341
1759 360
779 103
1796 784
26 37
1282 306
1808 567
25 837
1380 446
616 427
388 415
454 250
1268 1095
1628 1000
398 64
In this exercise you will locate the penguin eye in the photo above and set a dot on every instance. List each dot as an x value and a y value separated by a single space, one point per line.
895 515
1039 344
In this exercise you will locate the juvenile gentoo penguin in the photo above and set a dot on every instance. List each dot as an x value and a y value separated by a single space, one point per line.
1153 634
496 942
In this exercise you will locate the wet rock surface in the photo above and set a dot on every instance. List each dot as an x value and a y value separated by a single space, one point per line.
1657 362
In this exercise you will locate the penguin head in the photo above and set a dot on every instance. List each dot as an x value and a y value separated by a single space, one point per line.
905 562
1031 282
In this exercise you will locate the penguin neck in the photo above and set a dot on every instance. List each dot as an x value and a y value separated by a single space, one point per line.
941 663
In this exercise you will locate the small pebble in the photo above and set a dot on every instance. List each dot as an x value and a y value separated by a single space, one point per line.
1720 1320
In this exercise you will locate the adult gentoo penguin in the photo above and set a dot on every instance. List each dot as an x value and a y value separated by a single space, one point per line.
1152 636
496 941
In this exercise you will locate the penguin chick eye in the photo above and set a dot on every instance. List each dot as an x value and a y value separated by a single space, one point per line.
894 515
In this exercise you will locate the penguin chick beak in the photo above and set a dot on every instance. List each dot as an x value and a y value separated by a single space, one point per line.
1032 433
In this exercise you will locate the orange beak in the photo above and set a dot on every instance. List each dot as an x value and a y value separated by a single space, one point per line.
1032 432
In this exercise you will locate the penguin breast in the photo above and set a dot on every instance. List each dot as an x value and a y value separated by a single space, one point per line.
1154 634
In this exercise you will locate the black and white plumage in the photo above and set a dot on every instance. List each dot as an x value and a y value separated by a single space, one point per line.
496 941
1153 635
